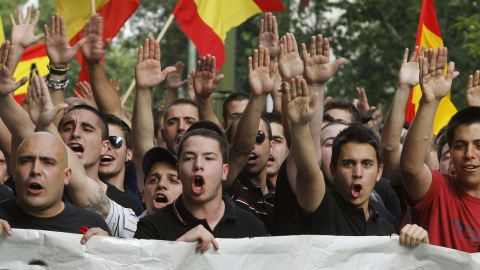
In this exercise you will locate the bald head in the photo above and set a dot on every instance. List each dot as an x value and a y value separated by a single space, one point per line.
47 142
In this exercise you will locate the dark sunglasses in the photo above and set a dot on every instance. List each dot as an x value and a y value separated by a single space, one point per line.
260 137
115 141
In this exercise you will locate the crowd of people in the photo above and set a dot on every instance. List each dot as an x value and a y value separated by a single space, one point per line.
314 165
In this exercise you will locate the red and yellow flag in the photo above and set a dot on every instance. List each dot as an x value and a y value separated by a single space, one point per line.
206 22
76 13
428 34
2 34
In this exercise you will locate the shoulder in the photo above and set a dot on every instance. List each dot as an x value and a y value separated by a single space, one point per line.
248 220
152 226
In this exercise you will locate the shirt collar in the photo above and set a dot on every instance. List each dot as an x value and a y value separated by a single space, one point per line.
349 208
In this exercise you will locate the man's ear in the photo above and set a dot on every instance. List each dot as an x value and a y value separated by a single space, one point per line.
225 172
68 174
129 155
379 173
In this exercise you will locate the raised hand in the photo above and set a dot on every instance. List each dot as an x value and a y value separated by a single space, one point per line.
148 71
41 109
202 236
86 93
289 63
268 36
362 104
473 90
191 91
300 107
377 117
261 76
58 49
23 33
318 69
94 49
204 79
174 79
7 82
433 81
409 73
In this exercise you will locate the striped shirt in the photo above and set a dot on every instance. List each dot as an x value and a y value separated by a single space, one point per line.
121 221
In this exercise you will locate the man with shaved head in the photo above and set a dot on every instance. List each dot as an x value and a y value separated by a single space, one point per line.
40 176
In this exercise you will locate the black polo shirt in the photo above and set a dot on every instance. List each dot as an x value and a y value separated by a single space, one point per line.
335 216
250 198
174 220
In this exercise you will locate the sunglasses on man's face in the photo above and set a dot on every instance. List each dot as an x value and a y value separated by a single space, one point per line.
115 141
260 137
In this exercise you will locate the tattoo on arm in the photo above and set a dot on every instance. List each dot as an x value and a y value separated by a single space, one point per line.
99 204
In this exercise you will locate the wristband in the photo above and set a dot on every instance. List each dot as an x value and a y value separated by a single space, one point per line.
366 120
58 70
57 85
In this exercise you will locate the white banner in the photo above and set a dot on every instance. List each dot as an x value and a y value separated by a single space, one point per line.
64 251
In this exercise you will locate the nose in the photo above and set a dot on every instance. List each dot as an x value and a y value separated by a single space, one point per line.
182 125
35 169
469 152
76 132
162 184
357 171
198 166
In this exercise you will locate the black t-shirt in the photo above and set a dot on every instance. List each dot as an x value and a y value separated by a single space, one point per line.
70 220
250 198
125 199
285 220
388 195
5 192
335 216
174 220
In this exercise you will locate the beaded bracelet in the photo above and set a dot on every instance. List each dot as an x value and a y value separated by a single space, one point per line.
58 70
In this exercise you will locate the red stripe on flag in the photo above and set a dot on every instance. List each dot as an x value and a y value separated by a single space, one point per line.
19 98
270 5
34 52
428 17
115 13
410 112
199 32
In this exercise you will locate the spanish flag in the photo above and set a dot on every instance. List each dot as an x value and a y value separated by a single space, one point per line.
206 22
77 13
428 34
2 34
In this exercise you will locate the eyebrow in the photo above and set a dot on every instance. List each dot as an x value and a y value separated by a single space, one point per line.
43 158
85 124
278 137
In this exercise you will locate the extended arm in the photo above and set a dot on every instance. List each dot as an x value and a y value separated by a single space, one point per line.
435 85
408 77
310 188
93 51
174 81
261 77
148 74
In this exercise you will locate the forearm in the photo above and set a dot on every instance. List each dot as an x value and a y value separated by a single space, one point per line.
15 118
142 130
105 96
57 95
18 55
205 110
310 185
170 96
392 128
317 121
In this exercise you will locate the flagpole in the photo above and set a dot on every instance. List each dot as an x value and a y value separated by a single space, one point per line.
159 38
92 7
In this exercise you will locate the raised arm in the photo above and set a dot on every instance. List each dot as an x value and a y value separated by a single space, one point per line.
417 178
148 74
23 33
473 90
174 81
261 78
60 54
300 109
204 83
85 192
93 51
318 70
408 77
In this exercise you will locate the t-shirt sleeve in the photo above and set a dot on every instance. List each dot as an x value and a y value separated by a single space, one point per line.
310 223
432 193
121 221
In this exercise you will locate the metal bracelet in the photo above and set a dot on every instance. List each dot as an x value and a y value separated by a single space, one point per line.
57 85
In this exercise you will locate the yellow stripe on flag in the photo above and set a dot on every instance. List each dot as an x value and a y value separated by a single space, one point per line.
223 15
429 39
76 14
24 67
2 34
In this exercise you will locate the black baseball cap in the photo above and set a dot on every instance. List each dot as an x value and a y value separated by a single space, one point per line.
155 155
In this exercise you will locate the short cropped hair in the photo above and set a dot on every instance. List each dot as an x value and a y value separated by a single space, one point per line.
207 133
178 102
205 124
235 96
467 116
343 104
127 132
273 117
229 131
102 123
356 133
